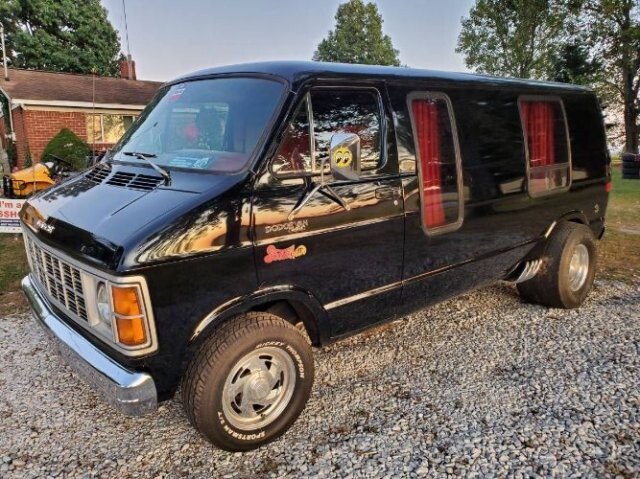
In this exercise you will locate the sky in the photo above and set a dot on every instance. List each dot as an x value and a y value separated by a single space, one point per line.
172 37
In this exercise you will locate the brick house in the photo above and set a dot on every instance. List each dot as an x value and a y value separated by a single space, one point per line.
97 109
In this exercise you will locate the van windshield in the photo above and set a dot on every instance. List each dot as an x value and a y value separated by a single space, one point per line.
212 125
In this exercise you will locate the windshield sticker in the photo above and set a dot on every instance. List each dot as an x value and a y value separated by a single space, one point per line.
290 227
190 162
342 157
292 252
176 93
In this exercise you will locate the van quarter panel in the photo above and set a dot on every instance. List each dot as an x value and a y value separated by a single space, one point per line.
490 142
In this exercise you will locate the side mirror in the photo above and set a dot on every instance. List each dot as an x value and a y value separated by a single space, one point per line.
344 152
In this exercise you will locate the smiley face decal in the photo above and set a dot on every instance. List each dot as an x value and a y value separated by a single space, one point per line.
342 157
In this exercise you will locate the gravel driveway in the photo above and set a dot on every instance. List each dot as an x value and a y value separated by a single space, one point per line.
479 385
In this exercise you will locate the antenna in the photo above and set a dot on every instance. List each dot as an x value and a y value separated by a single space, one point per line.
93 113
4 53
126 32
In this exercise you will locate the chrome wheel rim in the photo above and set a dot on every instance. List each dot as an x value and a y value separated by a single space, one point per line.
259 388
578 267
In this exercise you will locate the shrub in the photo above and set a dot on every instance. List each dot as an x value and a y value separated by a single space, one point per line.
28 162
69 147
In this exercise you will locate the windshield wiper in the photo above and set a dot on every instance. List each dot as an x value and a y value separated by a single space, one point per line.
147 157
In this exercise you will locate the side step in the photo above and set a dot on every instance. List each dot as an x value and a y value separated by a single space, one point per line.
529 270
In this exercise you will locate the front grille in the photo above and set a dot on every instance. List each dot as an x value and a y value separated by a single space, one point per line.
61 280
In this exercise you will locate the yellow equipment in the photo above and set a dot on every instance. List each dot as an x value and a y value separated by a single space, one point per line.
25 182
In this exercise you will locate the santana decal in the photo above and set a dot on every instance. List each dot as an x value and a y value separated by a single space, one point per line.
290 227
292 252
342 157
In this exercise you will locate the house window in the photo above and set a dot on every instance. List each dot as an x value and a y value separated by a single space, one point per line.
439 168
547 144
305 144
107 128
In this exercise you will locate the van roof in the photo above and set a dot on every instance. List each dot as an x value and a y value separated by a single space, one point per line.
298 71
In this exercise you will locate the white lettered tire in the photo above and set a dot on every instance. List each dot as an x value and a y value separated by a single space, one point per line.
249 381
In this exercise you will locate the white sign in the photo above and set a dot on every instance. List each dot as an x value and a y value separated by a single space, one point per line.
9 219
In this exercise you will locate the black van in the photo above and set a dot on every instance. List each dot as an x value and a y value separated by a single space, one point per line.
253 211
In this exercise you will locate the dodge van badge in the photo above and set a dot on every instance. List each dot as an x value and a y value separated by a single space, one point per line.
42 226
292 252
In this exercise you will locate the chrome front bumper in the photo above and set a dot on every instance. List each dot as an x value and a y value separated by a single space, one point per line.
132 393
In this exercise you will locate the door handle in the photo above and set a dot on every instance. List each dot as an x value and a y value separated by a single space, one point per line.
388 193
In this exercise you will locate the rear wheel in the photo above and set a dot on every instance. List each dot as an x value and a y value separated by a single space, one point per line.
568 269
249 382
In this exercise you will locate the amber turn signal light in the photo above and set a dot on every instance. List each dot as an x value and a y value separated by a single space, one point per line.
126 301
130 323
131 331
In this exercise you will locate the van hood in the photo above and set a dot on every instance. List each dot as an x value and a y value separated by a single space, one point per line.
98 218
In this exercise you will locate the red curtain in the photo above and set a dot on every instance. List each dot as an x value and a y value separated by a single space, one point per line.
538 121
425 115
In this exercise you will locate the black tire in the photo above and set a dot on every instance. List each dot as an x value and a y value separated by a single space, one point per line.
551 286
224 351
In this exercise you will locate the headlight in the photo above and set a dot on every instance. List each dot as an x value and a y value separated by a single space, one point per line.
103 303
119 313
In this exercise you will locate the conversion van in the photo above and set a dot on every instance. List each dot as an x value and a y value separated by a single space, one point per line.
255 211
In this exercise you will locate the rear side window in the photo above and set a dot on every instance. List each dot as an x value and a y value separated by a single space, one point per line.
547 144
439 169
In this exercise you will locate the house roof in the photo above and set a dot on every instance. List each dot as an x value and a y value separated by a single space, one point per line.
54 87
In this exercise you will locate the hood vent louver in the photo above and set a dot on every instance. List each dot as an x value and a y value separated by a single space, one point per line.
97 175
124 179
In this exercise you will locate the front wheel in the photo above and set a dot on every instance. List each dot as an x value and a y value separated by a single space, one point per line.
568 269
249 381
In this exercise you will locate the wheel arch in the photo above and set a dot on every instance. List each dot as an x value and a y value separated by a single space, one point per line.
289 302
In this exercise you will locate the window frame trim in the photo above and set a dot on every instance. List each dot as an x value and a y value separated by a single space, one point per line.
569 162
438 95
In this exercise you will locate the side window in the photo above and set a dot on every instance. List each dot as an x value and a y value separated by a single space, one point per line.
439 165
347 111
294 153
306 143
547 145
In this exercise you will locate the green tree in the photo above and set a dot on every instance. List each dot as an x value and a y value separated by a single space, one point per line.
573 63
357 37
60 35
516 38
69 147
614 27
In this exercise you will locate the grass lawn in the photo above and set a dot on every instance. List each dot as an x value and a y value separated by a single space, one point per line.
620 247
619 250
13 266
